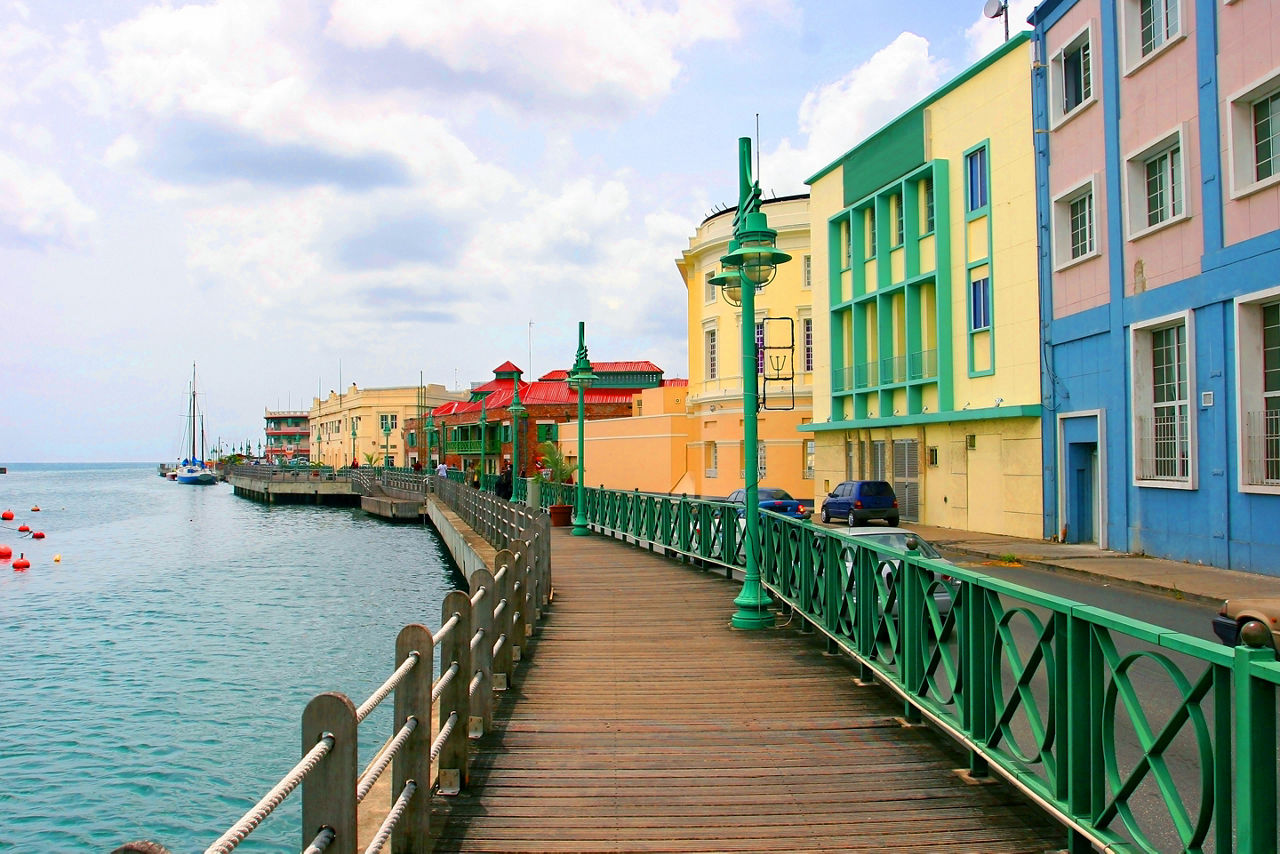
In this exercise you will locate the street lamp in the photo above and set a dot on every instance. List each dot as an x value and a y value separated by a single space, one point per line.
353 440
751 263
431 425
386 443
484 422
581 378
516 409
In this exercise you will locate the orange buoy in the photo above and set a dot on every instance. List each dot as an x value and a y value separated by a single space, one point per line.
35 509
37 535
7 515
21 563
57 558
5 552
22 529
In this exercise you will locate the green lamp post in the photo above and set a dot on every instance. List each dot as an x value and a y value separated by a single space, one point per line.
484 424
353 440
750 264
431 425
386 444
581 378
516 409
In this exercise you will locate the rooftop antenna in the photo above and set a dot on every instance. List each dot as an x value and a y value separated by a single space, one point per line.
998 9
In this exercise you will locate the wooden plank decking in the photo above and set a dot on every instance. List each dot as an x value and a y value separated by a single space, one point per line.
642 722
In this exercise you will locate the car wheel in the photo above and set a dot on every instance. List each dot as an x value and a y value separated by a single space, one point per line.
826 515
892 520
853 523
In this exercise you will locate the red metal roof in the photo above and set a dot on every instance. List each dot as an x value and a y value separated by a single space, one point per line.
507 368
675 383
644 367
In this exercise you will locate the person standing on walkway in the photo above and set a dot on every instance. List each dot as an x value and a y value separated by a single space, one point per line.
442 470
504 486
475 475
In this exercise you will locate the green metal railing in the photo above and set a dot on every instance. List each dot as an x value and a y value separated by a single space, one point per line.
1137 738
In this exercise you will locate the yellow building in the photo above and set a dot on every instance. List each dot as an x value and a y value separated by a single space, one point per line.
377 415
927 334
645 451
784 325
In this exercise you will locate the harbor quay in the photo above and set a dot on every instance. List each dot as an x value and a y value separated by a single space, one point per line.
829 729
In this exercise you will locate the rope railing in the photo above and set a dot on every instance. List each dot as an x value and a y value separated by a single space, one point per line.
383 759
387 687
249 821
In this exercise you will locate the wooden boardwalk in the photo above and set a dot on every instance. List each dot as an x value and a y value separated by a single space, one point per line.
642 722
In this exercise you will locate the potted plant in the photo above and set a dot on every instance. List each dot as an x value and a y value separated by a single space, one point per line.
560 471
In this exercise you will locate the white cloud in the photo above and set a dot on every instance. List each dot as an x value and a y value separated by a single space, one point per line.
123 150
986 34
839 115
592 55
39 206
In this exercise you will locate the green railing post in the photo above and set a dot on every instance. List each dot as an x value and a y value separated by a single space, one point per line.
1255 751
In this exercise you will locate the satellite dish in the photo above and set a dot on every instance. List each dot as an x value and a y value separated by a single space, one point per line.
994 8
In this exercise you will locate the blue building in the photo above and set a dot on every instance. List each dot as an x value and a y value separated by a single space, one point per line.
1157 135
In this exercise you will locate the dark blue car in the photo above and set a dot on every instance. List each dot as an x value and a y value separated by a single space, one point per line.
861 500
776 500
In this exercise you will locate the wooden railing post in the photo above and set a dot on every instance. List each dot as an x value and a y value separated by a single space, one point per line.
504 607
329 791
455 699
520 596
482 655
413 699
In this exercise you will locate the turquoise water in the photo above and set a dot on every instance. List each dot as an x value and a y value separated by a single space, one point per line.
152 682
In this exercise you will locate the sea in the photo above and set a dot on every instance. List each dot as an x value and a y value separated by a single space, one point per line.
156 657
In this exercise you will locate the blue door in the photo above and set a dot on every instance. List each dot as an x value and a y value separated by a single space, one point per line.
1081 495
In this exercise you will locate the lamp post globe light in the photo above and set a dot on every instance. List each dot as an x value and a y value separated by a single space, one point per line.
353 440
581 378
516 409
750 264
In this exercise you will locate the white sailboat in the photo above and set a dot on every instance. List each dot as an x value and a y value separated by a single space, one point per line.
193 470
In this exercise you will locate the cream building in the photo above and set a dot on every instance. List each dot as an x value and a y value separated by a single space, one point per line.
377 415
928 348
784 325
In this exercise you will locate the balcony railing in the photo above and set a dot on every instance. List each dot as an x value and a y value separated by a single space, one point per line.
472 446
890 370
1163 447
1262 448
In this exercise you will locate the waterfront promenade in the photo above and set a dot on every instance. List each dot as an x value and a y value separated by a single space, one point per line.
642 722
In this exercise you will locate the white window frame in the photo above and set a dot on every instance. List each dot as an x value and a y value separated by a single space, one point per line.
1241 166
709 290
1249 396
1135 184
713 461
1058 115
1142 396
806 280
1060 223
806 344
1131 34
711 355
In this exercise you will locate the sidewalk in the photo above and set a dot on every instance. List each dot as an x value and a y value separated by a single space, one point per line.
1205 584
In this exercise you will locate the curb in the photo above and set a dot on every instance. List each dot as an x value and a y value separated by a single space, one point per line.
1118 581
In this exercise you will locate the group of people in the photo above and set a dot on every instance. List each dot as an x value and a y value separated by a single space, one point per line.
503 488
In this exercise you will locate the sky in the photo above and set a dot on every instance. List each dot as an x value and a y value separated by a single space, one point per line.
294 195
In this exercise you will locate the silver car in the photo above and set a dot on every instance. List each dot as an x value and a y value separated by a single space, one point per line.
943 591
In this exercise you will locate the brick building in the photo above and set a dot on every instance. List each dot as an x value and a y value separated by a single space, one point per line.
480 430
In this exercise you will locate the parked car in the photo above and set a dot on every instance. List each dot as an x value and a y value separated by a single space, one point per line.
859 501
890 568
1236 612
774 499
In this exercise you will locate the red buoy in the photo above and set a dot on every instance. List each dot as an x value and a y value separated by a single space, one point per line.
22 529
5 552
21 563
7 515
37 535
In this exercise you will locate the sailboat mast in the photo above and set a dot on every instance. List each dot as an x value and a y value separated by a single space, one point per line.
193 412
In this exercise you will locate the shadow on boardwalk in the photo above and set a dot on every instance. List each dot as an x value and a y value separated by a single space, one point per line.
642 722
